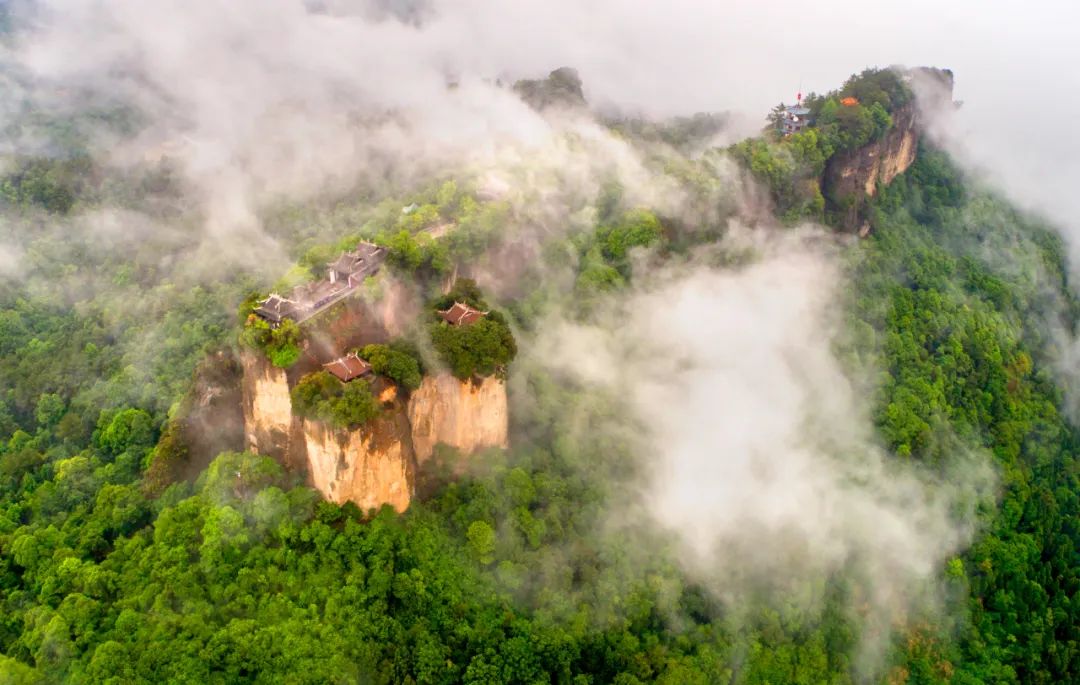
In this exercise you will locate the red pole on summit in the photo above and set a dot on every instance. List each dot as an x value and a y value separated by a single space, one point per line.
799 97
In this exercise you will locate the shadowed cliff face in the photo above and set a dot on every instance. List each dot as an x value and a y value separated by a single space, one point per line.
378 463
214 422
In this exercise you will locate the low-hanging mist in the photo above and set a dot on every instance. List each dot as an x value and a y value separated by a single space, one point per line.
756 445
753 440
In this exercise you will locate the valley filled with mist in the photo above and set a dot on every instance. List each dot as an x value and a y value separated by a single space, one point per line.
418 341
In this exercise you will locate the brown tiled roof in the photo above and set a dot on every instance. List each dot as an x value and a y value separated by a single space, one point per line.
366 250
351 262
348 367
347 263
461 314
275 307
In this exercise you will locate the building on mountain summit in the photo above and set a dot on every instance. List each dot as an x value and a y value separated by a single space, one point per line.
353 267
461 314
348 367
794 119
275 308
344 275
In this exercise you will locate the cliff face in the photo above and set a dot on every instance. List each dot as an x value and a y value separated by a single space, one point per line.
355 322
852 176
468 415
213 421
378 463
370 467
268 419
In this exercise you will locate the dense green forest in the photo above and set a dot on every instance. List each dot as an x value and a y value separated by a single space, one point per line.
502 573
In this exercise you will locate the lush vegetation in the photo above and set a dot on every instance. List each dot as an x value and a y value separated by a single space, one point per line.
954 287
51 184
860 111
604 255
322 396
482 348
507 571
281 344
791 169
399 361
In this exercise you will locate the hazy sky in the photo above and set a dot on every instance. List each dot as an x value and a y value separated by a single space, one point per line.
1017 66
219 66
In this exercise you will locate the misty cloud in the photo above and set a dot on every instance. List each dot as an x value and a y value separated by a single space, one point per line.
9 260
759 452
292 98
761 456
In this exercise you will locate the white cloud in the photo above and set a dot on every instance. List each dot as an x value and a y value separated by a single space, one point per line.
761 457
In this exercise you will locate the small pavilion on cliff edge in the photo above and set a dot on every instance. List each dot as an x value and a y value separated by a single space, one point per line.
348 368
461 314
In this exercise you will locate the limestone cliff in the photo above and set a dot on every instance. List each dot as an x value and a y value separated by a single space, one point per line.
468 415
269 427
378 463
369 467
852 176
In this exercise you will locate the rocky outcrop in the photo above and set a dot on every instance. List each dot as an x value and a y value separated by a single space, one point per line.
369 467
213 421
377 464
468 415
269 427
852 176
562 88
208 421
357 321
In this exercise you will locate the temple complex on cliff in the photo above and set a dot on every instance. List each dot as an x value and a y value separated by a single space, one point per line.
344 275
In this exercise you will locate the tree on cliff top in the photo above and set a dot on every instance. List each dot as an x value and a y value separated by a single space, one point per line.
883 87
281 344
482 348
396 361
323 397
464 290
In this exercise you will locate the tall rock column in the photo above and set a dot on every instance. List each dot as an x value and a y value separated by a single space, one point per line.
269 427
468 415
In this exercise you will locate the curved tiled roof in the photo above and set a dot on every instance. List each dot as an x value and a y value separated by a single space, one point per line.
461 314
348 367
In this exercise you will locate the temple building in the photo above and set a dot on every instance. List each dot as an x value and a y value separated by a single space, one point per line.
353 267
344 275
348 367
461 314
275 308
794 119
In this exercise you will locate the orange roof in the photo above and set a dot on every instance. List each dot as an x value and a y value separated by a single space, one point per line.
461 314
849 102
348 367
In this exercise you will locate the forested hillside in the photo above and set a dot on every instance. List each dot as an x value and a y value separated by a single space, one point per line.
506 569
